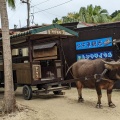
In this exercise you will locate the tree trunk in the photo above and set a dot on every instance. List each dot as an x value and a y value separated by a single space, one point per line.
9 96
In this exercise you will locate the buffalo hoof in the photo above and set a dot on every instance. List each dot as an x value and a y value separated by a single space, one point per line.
99 106
112 105
81 100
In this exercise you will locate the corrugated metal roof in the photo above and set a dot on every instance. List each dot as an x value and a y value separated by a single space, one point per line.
50 45
41 29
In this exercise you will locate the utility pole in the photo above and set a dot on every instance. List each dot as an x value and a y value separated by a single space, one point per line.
28 11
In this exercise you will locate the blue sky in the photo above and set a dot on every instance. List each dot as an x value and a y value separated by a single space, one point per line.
19 15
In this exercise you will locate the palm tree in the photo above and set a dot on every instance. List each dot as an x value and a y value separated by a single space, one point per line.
9 96
114 14
71 17
93 14
116 18
83 14
55 21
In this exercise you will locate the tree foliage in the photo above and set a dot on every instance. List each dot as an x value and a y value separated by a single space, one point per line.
114 14
11 3
116 18
55 21
90 14
93 14
71 17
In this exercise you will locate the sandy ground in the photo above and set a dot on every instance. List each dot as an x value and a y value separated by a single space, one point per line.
66 107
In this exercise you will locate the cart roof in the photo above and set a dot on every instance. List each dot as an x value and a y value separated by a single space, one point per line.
46 33
53 29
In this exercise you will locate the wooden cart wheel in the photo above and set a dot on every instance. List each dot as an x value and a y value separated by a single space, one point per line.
57 92
27 92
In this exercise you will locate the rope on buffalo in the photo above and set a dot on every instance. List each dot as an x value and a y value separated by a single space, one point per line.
66 64
98 77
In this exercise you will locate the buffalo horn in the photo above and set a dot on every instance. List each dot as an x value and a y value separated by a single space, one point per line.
112 62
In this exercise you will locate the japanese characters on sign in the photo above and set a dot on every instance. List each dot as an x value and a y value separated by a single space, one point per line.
105 54
56 31
97 43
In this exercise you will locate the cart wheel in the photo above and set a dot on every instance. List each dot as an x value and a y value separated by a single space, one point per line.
57 92
27 92
15 86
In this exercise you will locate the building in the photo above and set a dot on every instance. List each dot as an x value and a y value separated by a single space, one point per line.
101 39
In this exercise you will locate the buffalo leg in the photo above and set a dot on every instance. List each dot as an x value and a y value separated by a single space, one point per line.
99 94
109 94
79 89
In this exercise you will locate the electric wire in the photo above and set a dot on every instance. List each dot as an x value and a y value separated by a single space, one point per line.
32 15
40 3
44 9
53 6
47 12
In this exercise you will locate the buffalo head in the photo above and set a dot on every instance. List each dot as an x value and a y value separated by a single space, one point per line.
113 68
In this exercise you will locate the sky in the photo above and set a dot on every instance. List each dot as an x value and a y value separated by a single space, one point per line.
42 13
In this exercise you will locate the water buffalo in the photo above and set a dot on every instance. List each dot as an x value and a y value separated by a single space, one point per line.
98 74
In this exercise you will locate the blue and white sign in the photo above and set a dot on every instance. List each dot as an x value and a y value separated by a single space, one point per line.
105 54
97 43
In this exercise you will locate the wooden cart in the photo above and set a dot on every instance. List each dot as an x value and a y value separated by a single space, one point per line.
37 59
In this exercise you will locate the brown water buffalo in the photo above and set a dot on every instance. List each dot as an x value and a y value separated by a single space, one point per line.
96 73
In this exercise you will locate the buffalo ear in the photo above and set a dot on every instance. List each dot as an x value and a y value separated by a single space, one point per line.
109 67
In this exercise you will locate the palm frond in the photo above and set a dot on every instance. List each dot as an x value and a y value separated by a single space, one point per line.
11 3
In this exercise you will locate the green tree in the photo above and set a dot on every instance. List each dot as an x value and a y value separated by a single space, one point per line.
93 14
55 21
71 17
116 18
87 14
9 96
114 14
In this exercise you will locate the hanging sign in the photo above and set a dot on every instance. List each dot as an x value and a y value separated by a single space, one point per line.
56 31
104 54
97 43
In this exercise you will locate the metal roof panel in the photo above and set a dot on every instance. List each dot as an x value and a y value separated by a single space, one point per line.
41 29
49 45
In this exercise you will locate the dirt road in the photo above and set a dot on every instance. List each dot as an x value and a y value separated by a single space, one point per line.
50 107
